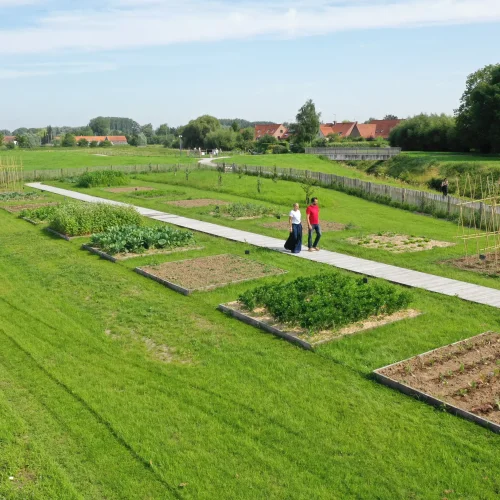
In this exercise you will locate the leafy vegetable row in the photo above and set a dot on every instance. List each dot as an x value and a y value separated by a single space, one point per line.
326 301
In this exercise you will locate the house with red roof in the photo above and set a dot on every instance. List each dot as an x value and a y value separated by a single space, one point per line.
116 140
277 130
340 129
9 138
364 130
383 127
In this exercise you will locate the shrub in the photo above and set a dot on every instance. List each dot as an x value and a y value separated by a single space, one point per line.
102 178
327 301
93 144
105 144
135 239
76 219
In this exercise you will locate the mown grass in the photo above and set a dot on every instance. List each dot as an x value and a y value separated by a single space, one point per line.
366 217
64 158
235 413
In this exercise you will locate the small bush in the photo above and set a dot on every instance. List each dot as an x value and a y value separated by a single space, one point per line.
327 301
102 178
77 219
135 239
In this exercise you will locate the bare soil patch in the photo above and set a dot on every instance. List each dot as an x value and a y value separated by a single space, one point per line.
464 375
307 339
325 226
202 202
474 263
398 243
13 209
128 189
205 273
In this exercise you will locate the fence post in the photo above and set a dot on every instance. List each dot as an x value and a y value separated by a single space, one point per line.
449 205
403 195
369 188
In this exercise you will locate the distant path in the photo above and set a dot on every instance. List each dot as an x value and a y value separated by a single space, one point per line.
209 161
400 275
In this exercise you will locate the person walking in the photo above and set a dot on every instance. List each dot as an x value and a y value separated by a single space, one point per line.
444 187
312 214
294 241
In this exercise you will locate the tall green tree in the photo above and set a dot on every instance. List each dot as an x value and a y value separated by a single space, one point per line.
390 117
222 138
478 116
307 123
68 141
100 125
1 139
196 131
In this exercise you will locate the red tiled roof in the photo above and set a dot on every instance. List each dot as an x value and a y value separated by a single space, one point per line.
384 127
342 129
8 138
101 138
273 129
366 130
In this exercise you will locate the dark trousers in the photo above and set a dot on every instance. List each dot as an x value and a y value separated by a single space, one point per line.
294 241
317 229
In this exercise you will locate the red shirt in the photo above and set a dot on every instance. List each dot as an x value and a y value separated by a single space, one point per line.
313 213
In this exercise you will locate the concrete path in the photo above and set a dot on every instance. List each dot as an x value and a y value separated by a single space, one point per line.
402 276
209 162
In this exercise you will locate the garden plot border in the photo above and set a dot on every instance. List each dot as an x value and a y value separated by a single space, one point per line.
289 336
112 258
63 236
432 400
189 291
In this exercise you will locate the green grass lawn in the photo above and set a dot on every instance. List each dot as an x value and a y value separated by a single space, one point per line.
366 217
66 158
90 411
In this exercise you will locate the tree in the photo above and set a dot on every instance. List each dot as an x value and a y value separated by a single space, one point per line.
264 143
369 120
162 130
139 140
93 144
390 117
222 138
308 121
5 132
148 131
68 141
1 139
244 139
235 126
106 144
83 143
100 125
195 132
28 140
478 116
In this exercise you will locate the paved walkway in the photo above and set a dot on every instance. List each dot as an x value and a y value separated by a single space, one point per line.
402 276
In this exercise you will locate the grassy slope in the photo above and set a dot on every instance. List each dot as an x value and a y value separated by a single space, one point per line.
368 217
57 158
237 414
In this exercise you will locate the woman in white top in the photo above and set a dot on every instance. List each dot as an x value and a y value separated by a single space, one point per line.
294 241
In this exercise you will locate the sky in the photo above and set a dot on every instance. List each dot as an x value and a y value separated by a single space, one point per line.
163 61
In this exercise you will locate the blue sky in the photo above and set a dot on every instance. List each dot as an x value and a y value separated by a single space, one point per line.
163 61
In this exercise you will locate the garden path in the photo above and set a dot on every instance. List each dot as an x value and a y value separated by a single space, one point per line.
402 276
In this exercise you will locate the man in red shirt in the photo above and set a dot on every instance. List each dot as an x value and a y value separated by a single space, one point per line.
312 214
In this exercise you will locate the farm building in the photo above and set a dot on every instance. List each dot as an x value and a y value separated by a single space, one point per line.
340 129
277 130
9 138
116 140
374 129
384 127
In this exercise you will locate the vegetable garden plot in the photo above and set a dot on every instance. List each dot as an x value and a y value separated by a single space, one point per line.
128 189
261 318
325 226
242 211
14 209
485 264
206 273
398 243
464 377
202 202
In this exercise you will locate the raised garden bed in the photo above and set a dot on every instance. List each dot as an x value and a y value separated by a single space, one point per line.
207 273
128 189
398 243
12 196
463 377
125 256
261 318
62 235
243 211
14 209
486 265
202 202
325 226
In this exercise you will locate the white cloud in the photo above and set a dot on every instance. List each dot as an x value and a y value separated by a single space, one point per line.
122 24
48 69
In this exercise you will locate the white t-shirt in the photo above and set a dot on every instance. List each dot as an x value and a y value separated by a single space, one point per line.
296 216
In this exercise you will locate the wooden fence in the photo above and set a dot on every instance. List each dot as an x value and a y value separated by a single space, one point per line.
420 200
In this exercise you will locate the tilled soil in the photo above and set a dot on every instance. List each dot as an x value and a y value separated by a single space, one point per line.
19 208
398 243
211 272
489 265
128 189
323 336
466 374
202 202
325 226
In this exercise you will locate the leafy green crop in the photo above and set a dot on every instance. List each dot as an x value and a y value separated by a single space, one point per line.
134 239
102 178
327 301
237 210
40 214
18 196
76 219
